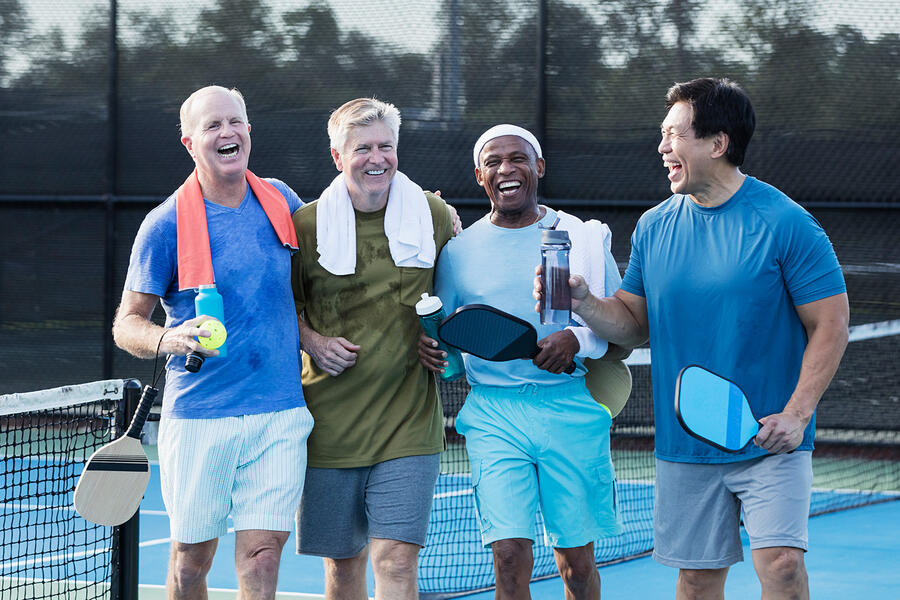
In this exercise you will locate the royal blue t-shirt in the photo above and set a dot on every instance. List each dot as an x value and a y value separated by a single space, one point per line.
261 372
721 285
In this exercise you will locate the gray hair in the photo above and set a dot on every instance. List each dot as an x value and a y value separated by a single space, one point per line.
360 113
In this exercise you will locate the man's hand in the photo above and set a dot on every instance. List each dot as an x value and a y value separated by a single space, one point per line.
181 340
332 354
781 432
557 351
430 356
577 284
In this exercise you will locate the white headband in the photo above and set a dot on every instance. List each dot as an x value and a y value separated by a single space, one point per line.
501 130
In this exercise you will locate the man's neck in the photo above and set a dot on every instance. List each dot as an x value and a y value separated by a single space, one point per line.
720 188
225 192
369 204
518 219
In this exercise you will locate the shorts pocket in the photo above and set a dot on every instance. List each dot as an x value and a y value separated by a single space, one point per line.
606 496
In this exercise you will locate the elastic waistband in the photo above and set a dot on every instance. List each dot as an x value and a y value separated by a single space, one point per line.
536 391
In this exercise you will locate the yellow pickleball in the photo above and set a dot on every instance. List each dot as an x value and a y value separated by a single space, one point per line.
217 334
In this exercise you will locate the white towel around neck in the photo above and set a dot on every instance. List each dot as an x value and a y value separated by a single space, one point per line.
407 225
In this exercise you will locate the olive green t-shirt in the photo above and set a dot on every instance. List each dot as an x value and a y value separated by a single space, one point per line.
386 405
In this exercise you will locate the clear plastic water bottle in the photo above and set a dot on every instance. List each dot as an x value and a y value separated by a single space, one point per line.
208 302
556 302
431 312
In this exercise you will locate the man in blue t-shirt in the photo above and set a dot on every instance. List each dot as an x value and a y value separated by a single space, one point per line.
731 275
232 438
534 434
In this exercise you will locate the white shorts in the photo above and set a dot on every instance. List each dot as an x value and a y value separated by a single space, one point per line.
251 467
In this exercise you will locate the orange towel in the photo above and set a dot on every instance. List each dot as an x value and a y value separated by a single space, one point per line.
194 258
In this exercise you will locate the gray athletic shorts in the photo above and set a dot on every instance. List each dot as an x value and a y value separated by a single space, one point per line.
342 508
698 508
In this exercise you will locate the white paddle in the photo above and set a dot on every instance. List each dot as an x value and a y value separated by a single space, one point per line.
115 477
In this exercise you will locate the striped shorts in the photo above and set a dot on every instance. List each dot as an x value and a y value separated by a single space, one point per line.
251 467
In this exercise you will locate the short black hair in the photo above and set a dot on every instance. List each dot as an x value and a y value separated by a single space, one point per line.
718 104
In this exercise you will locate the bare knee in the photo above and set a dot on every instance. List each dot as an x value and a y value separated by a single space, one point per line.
782 571
577 567
701 584
513 563
258 555
395 560
189 564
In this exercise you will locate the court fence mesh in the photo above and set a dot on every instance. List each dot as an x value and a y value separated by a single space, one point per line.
89 100
46 549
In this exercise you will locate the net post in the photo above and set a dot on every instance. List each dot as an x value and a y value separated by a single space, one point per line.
125 586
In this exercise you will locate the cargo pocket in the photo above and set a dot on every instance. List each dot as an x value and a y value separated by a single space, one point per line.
606 497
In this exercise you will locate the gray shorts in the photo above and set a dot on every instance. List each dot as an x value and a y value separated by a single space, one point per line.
342 509
698 509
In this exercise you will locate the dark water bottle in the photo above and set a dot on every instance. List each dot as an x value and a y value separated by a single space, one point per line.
207 302
431 312
556 302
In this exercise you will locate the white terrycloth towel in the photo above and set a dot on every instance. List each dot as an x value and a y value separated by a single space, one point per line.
407 225
588 259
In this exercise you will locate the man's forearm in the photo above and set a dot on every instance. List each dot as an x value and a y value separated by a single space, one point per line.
137 336
821 359
611 319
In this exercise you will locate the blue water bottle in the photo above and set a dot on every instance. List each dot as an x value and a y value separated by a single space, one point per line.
207 302
431 312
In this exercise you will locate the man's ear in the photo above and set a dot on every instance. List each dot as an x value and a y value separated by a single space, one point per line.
336 157
541 167
479 176
720 145
188 144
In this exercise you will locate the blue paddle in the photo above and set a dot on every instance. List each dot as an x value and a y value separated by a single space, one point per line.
713 409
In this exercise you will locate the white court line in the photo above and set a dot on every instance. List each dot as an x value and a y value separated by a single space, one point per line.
167 540
66 556
278 594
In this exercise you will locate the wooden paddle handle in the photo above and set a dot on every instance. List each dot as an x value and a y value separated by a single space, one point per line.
143 411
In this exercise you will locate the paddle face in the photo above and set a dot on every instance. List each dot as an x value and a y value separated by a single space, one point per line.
489 333
714 409
115 477
113 482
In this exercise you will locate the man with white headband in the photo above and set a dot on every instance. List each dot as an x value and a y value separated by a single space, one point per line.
534 434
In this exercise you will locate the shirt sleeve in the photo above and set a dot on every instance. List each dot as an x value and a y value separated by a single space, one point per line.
444 287
633 282
809 265
152 266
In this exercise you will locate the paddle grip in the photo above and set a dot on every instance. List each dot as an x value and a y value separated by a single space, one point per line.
143 411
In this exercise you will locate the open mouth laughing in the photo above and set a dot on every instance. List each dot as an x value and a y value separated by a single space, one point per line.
228 150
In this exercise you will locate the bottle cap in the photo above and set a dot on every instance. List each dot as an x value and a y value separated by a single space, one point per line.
207 286
428 304
554 236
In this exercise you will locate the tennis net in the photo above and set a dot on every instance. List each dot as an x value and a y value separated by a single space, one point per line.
46 549
856 462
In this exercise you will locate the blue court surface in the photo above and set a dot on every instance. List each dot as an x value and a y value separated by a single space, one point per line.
853 554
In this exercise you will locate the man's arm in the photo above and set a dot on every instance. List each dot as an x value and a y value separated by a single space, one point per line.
620 319
134 332
826 322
